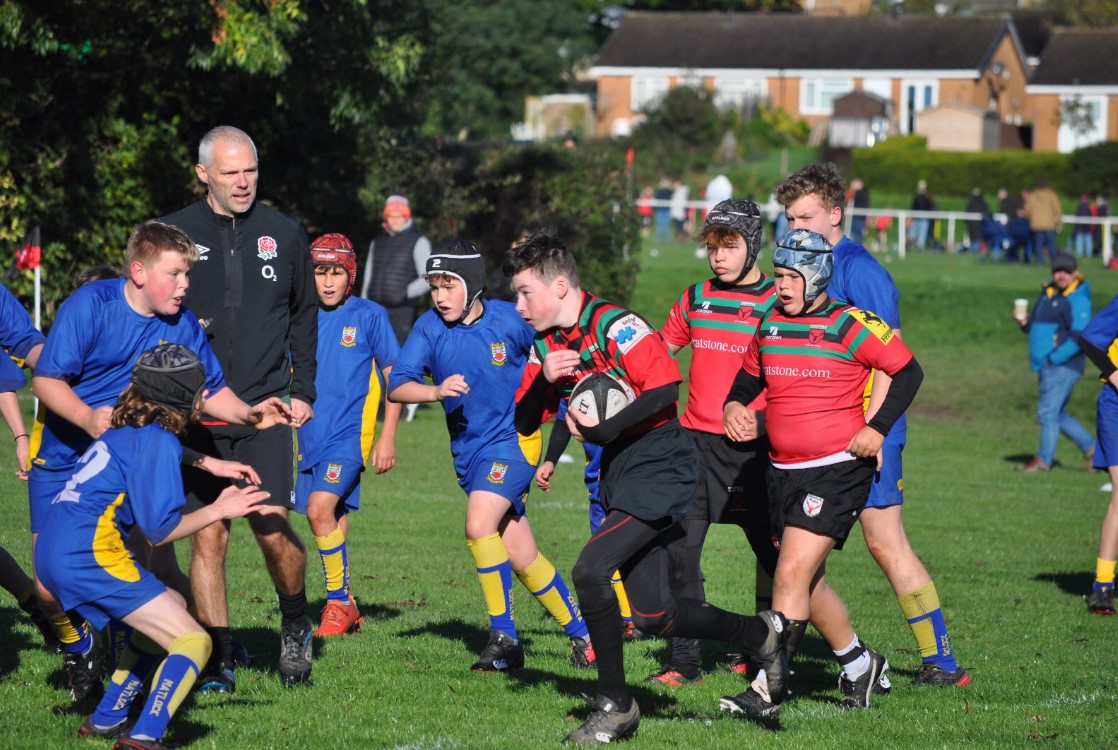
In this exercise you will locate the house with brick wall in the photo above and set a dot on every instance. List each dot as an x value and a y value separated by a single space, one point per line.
803 63
1073 94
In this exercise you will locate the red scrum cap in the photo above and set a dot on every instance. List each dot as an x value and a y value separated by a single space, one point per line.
336 250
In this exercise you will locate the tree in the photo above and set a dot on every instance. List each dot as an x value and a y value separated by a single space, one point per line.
103 102
491 55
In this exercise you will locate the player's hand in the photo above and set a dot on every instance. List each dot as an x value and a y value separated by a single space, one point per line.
543 475
269 412
234 470
97 421
301 412
234 502
740 423
453 387
560 363
384 455
573 425
23 455
867 444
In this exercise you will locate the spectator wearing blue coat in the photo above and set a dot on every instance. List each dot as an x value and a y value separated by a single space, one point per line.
1060 312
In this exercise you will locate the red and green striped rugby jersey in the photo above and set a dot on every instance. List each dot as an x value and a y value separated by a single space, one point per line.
815 368
719 323
612 340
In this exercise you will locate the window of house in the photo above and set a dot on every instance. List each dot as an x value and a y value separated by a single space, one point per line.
817 95
647 92
1082 122
732 93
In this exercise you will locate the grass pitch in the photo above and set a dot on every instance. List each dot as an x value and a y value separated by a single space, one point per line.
1012 556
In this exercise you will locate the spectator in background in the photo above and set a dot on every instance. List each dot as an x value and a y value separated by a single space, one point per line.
1060 312
718 189
858 197
922 201
1042 210
399 254
678 210
644 208
1102 210
976 205
661 213
1084 234
1008 204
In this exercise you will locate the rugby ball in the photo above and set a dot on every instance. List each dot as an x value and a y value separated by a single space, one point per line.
599 396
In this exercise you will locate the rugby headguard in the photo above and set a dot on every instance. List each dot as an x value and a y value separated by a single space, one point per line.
462 260
808 254
743 217
170 375
336 250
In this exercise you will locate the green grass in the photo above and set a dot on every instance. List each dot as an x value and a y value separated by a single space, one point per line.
1012 556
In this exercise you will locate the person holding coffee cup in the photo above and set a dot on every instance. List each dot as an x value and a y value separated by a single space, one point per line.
1061 311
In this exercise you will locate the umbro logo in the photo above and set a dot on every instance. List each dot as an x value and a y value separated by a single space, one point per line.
203 252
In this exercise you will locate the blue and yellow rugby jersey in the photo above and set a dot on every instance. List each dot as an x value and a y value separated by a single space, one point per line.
94 342
490 353
18 334
1102 334
355 343
129 476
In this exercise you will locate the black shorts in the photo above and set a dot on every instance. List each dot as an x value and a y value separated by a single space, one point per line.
268 451
732 481
652 475
824 499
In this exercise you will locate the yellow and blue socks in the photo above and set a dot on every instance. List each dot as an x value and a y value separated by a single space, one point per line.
137 658
171 684
1104 574
551 591
75 637
335 564
921 609
495 575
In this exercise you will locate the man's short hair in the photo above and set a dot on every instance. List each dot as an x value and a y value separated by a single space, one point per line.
543 253
823 180
149 240
226 133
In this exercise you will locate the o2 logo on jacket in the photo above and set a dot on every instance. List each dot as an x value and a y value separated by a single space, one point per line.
349 336
500 354
266 248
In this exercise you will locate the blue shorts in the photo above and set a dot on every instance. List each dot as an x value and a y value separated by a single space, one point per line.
95 593
341 478
888 484
508 478
1106 429
43 486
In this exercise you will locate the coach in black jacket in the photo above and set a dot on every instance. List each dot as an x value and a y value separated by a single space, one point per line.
253 289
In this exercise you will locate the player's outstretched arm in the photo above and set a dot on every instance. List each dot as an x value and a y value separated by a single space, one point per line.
420 393
650 402
228 407
234 470
233 502
59 397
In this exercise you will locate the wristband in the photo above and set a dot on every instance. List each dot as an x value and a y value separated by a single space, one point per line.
22 434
